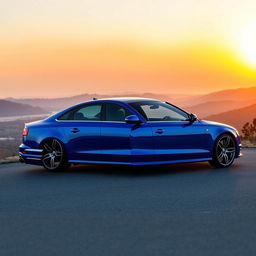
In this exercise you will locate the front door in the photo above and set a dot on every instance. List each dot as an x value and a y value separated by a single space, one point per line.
175 137
181 140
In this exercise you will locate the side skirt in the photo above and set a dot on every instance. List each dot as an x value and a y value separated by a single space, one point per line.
141 163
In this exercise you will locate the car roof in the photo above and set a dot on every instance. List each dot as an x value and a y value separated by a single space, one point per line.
114 99
126 99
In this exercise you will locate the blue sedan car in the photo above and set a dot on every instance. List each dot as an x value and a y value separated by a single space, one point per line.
128 131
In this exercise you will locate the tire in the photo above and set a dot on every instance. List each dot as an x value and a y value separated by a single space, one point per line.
54 156
224 151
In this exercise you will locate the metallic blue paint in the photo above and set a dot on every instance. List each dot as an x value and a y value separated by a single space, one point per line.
144 143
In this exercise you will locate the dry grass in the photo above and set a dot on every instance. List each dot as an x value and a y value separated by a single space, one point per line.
248 144
10 159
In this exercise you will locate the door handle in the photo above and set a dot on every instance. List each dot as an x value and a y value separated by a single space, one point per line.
75 130
159 131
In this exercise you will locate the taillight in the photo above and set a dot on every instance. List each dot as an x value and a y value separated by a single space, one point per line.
25 131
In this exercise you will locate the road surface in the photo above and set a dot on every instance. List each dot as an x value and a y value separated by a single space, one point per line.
188 209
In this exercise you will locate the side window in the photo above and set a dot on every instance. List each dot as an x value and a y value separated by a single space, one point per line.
86 113
115 112
160 111
91 113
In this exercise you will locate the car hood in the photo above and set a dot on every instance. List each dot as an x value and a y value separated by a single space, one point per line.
216 124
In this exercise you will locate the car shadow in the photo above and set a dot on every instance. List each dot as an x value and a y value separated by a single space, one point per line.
119 170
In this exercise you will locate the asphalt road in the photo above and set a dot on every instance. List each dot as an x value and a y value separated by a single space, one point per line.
187 209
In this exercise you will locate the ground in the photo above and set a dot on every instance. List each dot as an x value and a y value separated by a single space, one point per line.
186 209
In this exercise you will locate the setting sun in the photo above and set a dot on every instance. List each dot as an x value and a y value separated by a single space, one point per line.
248 44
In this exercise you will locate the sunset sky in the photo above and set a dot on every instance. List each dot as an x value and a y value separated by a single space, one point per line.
52 48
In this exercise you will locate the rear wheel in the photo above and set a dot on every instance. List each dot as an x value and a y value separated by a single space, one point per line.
54 156
224 151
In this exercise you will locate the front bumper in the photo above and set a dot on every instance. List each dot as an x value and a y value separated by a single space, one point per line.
239 153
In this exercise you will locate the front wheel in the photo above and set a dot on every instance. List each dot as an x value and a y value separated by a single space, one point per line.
224 151
54 157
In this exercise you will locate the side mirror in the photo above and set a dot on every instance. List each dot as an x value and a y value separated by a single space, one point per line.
132 119
192 118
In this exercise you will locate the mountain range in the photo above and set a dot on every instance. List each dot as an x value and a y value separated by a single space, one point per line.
234 106
54 104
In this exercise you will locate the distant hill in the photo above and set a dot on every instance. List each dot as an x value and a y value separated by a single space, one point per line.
237 117
8 108
215 107
60 103
239 95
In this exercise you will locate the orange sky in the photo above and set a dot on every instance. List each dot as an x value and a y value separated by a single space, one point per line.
185 47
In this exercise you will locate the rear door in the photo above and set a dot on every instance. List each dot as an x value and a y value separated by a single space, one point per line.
82 131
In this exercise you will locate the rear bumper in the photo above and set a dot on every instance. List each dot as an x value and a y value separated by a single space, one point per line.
30 155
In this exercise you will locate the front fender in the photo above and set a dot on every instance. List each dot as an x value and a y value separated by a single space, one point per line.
222 130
